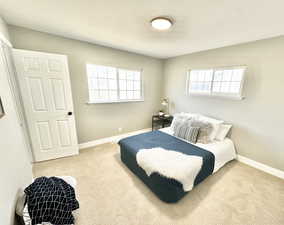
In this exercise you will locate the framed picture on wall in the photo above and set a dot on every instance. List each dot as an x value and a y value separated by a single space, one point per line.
2 112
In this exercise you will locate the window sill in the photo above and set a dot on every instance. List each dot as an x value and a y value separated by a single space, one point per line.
217 96
111 102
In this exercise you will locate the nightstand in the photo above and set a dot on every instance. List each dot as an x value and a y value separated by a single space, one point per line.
161 121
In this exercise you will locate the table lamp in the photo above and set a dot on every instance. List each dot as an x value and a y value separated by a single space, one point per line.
165 102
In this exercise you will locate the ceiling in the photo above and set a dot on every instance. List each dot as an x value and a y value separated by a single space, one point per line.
124 24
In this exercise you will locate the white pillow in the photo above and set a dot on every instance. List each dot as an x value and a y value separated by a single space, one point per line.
215 124
188 115
223 131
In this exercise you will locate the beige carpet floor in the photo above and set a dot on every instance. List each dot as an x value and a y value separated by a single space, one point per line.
110 194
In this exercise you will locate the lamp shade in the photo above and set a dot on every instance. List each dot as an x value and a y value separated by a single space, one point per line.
165 102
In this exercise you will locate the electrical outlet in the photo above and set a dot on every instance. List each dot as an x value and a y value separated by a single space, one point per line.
120 129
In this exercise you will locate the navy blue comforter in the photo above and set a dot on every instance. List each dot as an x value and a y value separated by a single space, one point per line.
168 190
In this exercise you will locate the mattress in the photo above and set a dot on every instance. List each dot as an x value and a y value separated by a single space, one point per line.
171 190
168 190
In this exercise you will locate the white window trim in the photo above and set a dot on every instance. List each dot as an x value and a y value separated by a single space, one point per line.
119 100
236 96
113 101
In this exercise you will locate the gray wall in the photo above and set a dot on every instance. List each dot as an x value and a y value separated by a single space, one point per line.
99 120
258 119
15 168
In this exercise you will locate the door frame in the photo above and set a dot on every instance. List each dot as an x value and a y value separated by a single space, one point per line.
15 90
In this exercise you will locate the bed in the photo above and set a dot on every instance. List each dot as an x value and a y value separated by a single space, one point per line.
215 155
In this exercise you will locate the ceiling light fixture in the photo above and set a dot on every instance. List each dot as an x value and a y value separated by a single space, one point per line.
161 23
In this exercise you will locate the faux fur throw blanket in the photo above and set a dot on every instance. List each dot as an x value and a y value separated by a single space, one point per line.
171 164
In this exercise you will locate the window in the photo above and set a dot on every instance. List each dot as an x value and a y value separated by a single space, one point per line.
110 84
225 82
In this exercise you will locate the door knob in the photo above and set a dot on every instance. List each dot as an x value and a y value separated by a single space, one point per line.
70 113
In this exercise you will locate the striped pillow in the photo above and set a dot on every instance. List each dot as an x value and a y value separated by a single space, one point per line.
205 130
186 132
176 124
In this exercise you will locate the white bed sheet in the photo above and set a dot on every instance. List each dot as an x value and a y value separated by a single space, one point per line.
224 151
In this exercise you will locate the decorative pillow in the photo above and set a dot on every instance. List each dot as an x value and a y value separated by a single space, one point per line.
187 132
214 123
181 118
176 124
178 119
205 130
223 131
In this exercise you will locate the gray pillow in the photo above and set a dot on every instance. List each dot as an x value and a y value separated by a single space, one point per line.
179 119
204 131
186 132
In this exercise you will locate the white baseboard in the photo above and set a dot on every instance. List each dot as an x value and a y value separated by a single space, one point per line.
111 139
260 166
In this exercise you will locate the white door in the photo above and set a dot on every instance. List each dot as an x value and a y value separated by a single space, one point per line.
46 93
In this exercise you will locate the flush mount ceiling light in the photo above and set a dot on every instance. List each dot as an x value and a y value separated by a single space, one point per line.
161 23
